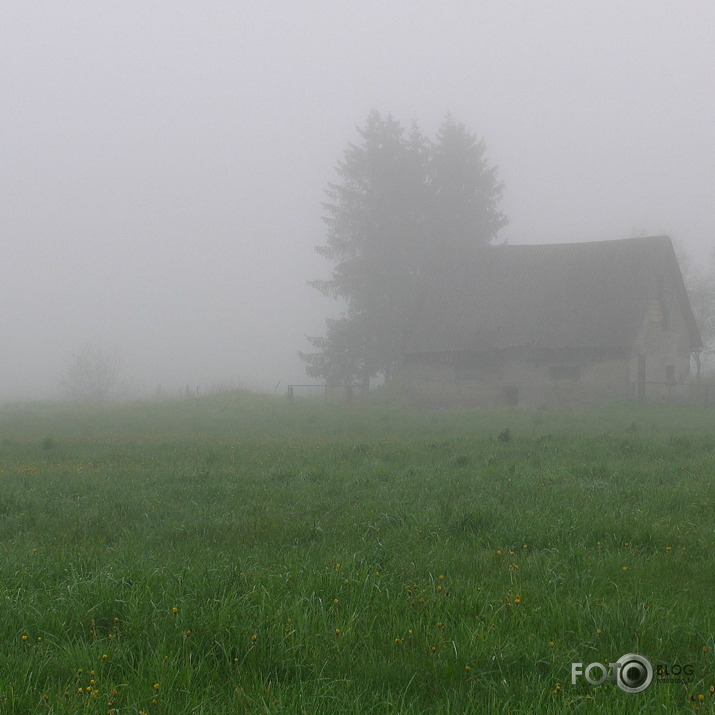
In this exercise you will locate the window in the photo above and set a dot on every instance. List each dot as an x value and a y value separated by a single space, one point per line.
565 372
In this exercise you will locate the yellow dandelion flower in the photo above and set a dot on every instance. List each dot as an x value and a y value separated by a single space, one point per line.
551 644
174 610
337 631
156 686
467 668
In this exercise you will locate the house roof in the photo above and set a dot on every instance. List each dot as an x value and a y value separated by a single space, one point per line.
568 295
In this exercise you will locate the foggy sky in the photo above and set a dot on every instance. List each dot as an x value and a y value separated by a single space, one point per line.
163 162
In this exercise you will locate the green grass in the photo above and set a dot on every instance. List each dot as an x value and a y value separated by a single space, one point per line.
251 556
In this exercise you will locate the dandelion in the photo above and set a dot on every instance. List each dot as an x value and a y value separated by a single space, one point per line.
23 638
441 577
624 568
336 600
551 644
156 686
517 601
174 610
104 656
499 552
514 567
467 668
439 588
440 624
668 548
337 631
254 637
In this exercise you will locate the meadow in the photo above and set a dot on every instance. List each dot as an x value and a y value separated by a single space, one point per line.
239 554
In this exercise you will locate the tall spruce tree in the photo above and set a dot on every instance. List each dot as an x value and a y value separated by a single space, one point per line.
401 201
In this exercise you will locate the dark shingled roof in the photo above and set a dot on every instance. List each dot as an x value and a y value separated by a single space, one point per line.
568 295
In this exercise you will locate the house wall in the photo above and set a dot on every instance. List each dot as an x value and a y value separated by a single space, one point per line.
550 383
664 344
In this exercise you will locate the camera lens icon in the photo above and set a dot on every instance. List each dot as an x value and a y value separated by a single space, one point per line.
634 673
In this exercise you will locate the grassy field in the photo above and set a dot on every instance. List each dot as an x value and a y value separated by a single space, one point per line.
242 555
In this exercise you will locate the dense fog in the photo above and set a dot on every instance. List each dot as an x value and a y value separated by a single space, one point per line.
164 163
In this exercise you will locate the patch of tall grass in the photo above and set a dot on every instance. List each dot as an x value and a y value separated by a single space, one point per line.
242 554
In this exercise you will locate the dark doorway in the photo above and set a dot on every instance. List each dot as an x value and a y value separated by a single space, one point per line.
641 378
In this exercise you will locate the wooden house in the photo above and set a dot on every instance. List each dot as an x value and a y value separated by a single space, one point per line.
555 325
